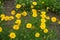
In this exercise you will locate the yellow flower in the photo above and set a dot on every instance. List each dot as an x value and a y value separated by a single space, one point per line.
2 15
58 22
37 34
12 35
45 30
43 12
43 16
43 20
6 18
34 3
24 13
48 17
32 6
2 18
34 10
28 25
0 29
11 17
13 12
18 6
43 23
53 19
16 27
34 14
18 21
18 15
42 26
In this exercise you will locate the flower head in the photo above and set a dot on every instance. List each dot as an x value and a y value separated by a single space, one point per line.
18 6
34 3
15 27
28 25
37 34
45 30
12 35
53 19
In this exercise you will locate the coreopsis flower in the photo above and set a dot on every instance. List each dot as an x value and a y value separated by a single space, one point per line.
2 15
18 21
47 17
18 15
37 34
53 19
43 20
34 11
12 35
43 16
11 17
18 6
24 13
43 12
16 27
2 18
0 29
34 3
45 30
42 27
43 23
28 25
6 18
13 12
34 14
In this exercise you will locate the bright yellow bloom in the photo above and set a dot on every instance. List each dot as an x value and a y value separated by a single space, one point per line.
34 14
28 25
43 20
18 22
43 12
48 17
37 34
45 30
0 29
13 12
16 27
11 17
12 35
18 15
2 18
34 3
24 13
58 22
42 26
53 19
2 15
34 10
43 16
18 6
43 23
6 18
